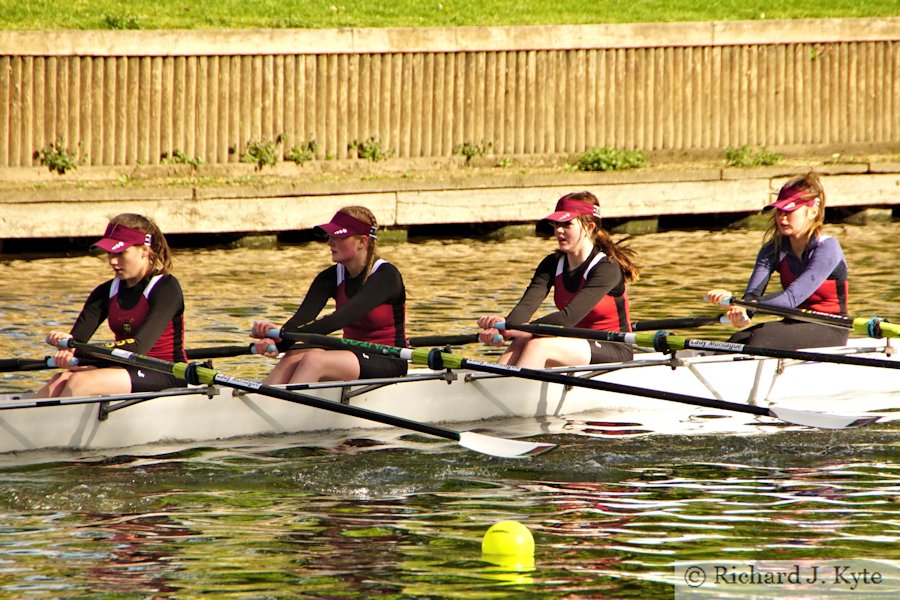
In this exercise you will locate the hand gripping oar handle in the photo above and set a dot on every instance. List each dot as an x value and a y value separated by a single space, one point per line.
436 359
198 374
662 341
873 327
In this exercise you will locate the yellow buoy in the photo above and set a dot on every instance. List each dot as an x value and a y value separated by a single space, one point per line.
509 544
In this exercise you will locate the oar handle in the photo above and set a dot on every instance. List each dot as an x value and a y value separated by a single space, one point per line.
873 327
51 362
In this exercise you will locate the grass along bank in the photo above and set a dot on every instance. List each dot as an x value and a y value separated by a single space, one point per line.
317 14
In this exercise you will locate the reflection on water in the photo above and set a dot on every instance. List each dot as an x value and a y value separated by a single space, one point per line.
377 513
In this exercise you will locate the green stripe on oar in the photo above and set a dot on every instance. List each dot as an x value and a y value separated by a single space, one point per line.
494 446
440 360
873 327
662 341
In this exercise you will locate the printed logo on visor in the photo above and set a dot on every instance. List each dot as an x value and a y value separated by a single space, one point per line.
117 246
566 217
341 231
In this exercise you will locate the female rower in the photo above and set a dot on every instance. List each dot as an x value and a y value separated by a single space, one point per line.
811 267
143 306
588 274
370 301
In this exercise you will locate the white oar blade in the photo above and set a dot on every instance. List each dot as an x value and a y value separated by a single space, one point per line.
820 420
501 447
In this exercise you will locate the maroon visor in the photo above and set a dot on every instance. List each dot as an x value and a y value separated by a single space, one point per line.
343 225
567 209
118 237
791 199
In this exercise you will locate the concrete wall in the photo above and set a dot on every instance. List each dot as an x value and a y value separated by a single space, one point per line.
127 97
72 212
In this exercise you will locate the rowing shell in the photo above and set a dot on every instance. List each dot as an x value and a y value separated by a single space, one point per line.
197 414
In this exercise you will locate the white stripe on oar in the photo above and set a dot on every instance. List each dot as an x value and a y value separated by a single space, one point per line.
499 447
820 420
502 447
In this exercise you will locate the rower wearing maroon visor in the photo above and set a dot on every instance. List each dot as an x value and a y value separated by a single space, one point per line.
587 274
811 268
143 305
370 306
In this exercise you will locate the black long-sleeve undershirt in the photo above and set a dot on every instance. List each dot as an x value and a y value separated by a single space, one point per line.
606 278
166 303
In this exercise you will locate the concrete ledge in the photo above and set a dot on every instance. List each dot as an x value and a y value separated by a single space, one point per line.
296 205
441 39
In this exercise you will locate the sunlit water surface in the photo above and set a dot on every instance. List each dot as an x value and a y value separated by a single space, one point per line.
362 514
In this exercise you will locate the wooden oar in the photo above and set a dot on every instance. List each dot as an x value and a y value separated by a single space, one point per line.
873 327
662 341
436 359
678 322
198 374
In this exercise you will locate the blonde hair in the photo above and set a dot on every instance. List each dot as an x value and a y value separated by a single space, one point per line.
810 187
364 214
160 253
624 256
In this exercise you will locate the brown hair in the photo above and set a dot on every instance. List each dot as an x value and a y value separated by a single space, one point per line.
625 257
810 187
364 214
160 253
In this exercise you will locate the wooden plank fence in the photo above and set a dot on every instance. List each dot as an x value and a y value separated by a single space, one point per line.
126 97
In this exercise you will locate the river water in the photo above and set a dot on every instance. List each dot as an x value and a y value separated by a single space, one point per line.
327 516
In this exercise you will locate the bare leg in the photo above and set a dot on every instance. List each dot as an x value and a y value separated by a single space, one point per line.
87 382
543 352
284 370
53 387
326 365
513 352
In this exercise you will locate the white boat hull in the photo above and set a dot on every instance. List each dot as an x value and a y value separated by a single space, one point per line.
471 397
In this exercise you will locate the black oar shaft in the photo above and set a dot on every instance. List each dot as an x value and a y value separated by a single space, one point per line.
443 340
211 376
874 327
440 360
839 321
675 323
606 386
676 342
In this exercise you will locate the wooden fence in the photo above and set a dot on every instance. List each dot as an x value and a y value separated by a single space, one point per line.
125 97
